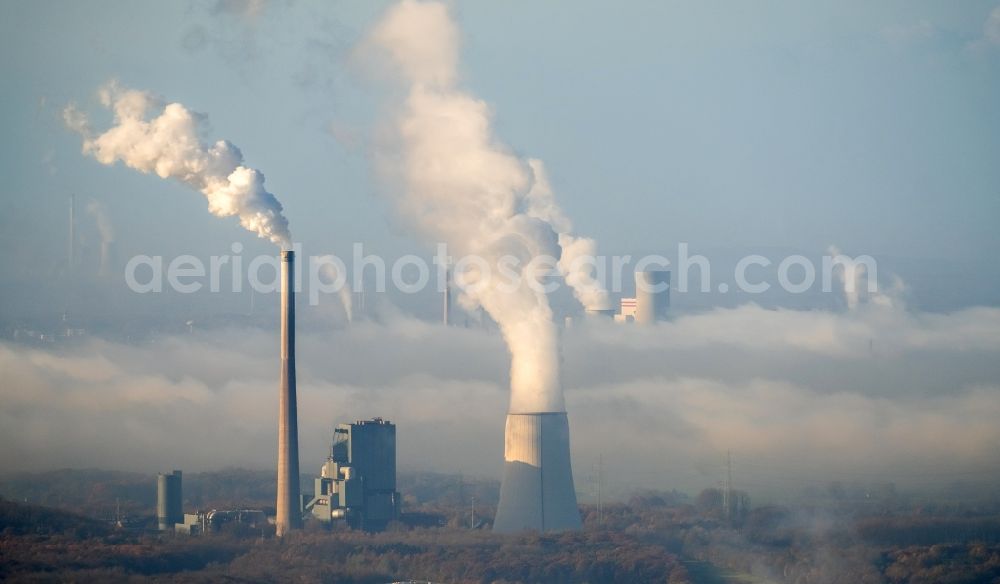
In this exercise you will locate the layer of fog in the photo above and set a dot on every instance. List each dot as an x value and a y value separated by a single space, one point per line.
878 394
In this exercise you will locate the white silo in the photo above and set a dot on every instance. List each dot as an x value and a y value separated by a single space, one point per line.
652 295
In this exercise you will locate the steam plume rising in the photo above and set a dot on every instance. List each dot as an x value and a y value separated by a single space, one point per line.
851 276
151 136
107 231
101 219
343 293
458 184
576 251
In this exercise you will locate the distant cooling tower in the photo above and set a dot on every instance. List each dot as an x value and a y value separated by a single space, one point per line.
289 506
652 296
537 490
169 500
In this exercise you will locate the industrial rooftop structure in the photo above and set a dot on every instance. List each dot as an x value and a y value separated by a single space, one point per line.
357 483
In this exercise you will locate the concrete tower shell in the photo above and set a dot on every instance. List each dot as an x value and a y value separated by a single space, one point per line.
652 296
537 490
289 512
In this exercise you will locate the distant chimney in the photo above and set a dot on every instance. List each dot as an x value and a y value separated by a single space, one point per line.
289 511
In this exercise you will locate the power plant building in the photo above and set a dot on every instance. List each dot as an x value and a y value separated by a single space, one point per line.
652 298
169 501
627 311
204 522
357 483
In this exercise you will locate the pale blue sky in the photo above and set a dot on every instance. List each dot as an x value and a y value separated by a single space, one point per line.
740 125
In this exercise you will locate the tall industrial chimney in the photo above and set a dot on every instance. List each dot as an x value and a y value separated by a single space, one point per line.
652 296
537 490
289 512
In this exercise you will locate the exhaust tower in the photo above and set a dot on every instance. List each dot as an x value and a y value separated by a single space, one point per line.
289 512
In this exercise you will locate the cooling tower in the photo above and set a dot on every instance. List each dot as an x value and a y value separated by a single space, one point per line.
289 512
537 490
652 296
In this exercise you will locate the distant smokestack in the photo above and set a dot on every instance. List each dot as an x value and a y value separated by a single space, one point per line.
289 513
652 296
104 227
537 490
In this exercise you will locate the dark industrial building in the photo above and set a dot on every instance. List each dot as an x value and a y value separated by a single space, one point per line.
169 501
357 484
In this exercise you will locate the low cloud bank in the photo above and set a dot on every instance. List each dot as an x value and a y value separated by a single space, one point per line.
879 394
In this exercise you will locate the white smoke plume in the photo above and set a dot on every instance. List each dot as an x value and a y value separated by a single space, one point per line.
347 301
330 274
104 226
860 285
106 230
151 136
991 29
576 262
458 184
851 276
